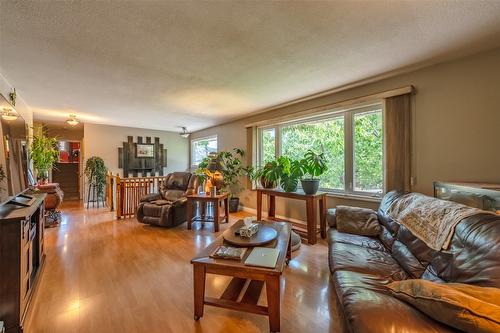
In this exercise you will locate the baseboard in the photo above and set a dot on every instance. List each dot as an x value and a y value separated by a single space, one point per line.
264 214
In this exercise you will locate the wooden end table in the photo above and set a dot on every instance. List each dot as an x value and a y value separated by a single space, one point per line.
204 198
310 200
203 264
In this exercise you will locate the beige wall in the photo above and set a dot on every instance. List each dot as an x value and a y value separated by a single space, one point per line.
104 141
456 124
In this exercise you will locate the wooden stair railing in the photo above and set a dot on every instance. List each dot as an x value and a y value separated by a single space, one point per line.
124 194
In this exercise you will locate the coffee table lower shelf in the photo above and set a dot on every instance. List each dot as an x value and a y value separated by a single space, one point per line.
247 303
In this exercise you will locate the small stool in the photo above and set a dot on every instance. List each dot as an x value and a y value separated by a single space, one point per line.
295 241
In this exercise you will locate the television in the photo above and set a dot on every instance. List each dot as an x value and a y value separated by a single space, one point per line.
14 157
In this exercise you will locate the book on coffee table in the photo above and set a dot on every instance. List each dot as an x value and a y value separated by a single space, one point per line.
229 252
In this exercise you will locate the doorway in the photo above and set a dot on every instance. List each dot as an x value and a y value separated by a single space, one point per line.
67 170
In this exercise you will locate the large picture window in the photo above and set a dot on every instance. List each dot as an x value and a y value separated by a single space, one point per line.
352 141
200 148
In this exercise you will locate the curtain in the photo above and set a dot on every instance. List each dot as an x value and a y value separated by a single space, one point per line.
398 142
251 150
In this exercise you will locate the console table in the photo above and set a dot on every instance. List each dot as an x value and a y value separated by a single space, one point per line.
311 230
203 198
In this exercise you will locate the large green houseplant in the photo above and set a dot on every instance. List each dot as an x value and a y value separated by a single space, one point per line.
282 170
313 165
44 154
231 169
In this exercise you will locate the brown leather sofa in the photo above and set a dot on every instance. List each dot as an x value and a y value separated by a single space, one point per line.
168 208
361 266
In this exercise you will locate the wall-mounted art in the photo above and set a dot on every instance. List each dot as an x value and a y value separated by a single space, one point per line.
145 150
146 158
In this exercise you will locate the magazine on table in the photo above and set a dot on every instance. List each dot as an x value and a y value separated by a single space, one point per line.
229 252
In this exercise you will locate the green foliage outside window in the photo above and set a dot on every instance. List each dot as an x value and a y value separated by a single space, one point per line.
368 152
327 136
324 136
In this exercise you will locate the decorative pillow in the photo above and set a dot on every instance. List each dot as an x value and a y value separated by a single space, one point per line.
359 221
161 202
466 307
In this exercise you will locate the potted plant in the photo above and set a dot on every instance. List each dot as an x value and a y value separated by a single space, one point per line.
282 170
232 169
289 172
313 166
95 171
44 154
265 176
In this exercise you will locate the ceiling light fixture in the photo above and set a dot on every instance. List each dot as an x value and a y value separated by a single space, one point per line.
184 133
72 121
9 114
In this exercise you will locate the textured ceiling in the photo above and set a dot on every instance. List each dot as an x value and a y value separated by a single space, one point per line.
165 64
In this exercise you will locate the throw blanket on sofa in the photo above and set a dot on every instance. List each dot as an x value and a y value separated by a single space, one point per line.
431 220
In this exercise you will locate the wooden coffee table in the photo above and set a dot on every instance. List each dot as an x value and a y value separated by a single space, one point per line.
203 264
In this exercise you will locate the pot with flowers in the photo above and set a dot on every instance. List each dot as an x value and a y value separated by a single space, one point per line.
313 165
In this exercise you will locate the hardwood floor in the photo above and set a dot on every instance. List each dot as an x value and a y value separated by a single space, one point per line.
104 275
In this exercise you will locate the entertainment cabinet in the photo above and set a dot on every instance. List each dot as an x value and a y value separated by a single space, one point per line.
21 256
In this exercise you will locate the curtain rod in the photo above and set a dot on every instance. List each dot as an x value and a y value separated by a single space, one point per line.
348 102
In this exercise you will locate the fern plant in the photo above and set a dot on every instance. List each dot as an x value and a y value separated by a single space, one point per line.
95 171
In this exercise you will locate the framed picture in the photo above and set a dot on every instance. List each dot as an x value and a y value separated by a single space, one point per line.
145 150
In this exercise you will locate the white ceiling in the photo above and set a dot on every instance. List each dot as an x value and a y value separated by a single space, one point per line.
160 65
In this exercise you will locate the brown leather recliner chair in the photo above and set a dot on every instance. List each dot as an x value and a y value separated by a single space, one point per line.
168 208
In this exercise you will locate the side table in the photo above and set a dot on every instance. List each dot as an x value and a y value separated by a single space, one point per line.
204 198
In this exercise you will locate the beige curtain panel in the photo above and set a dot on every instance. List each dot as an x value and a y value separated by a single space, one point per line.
398 142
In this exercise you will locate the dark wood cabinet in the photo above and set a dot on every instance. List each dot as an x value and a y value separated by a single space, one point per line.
21 258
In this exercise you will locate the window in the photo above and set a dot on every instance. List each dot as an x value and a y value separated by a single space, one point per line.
200 148
352 141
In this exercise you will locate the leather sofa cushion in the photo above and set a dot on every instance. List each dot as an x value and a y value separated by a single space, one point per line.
331 217
178 181
359 221
152 210
348 257
383 217
473 255
417 247
364 241
369 307
407 260
465 307
160 202
172 195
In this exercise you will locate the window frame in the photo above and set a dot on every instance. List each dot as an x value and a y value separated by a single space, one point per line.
194 141
349 158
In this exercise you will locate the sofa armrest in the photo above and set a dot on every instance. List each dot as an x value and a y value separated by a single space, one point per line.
331 217
179 202
356 220
151 197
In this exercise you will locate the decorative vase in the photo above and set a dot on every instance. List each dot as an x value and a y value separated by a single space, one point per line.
266 183
42 176
310 186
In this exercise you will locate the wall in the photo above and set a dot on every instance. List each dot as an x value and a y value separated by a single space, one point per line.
456 124
104 141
